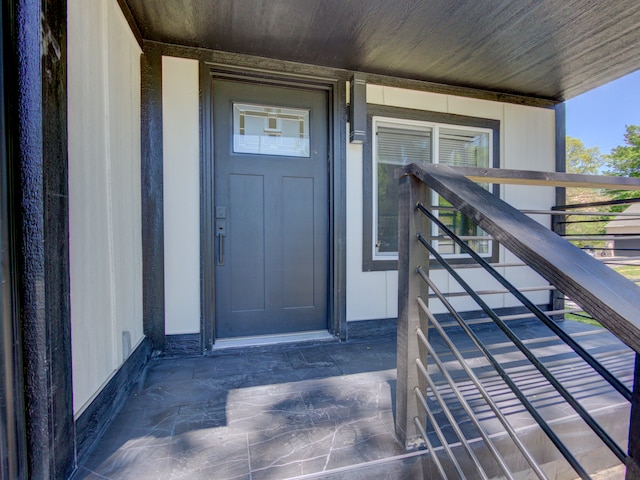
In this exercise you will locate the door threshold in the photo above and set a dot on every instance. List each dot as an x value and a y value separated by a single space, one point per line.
260 340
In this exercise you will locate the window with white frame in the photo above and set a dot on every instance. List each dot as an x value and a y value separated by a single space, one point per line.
400 141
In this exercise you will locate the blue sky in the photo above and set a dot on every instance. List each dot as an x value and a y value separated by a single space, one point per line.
598 117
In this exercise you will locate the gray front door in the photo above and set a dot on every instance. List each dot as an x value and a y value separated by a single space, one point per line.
271 209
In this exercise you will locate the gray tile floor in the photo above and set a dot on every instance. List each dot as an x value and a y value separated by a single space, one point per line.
293 410
262 414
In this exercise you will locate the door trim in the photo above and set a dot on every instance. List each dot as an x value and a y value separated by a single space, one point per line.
336 91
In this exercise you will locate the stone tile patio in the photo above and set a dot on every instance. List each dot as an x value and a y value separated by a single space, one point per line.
323 410
262 413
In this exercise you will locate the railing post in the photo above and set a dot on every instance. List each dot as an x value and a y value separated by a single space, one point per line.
557 221
558 226
410 286
633 462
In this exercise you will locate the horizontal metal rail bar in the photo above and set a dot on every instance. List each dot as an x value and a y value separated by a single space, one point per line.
464 237
583 315
494 265
580 222
566 453
542 288
478 321
565 337
603 203
632 216
621 260
574 238
442 208
436 427
520 316
452 421
610 249
476 381
579 409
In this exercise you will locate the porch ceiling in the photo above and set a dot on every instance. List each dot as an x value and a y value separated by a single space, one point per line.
554 49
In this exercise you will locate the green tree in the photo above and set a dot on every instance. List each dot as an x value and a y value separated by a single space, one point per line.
624 160
586 161
581 159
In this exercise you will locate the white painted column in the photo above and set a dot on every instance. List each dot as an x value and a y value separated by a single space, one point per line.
181 172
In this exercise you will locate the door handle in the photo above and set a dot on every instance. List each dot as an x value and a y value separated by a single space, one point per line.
221 232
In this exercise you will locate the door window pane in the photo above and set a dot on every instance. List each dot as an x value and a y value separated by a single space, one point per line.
266 130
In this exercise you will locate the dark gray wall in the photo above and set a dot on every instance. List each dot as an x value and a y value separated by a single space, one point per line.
44 266
152 197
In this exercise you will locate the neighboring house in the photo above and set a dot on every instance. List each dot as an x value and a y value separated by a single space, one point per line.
627 226
181 173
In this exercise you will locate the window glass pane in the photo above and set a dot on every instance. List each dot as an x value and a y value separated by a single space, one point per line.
399 144
461 226
463 148
267 130
395 147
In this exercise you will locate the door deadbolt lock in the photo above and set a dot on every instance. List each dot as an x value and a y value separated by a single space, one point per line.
221 228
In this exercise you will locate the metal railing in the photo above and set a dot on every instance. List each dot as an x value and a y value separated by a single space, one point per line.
431 404
604 216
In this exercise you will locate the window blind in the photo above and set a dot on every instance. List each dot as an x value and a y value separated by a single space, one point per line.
397 146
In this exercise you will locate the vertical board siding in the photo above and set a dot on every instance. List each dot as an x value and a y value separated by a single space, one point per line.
366 291
90 256
104 192
527 141
124 116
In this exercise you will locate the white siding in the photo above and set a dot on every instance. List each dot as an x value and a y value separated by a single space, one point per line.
181 177
366 291
104 192
529 145
527 142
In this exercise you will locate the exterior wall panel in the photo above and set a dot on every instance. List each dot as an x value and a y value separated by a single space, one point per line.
124 137
527 141
366 291
104 193
181 174
403 98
